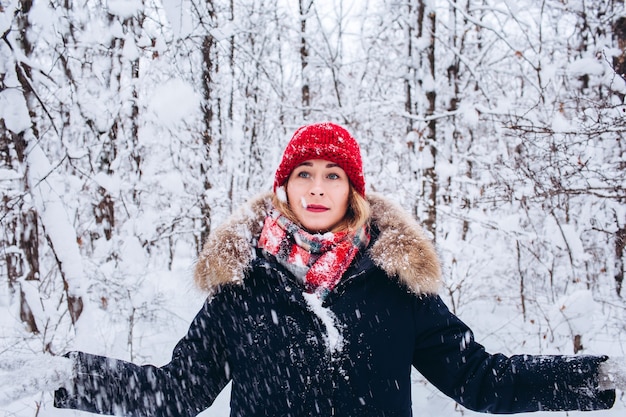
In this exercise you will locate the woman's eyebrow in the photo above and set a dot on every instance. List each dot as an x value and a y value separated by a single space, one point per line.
310 164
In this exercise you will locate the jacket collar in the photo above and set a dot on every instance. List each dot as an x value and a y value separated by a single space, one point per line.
401 250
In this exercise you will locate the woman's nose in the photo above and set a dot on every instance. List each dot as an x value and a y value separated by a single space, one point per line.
316 188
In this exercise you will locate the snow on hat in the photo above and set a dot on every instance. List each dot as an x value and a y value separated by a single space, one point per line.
323 141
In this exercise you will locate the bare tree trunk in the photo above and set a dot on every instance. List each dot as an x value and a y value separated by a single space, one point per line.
135 26
104 210
619 33
620 247
420 99
208 44
428 19
522 289
304 8
29 217
462 137
21 232
410 79
210 111
20 237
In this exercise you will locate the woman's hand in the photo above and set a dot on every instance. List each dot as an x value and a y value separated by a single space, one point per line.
613 374
23 376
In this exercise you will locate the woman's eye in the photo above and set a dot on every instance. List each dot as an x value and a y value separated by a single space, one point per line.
303 174
333 176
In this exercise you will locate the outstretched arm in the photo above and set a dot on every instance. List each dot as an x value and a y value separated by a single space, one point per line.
449 357
187 385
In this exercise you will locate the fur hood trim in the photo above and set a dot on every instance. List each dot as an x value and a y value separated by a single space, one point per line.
401 249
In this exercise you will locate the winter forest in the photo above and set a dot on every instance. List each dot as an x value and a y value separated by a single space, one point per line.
130 128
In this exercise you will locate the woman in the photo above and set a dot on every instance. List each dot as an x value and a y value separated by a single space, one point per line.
321 300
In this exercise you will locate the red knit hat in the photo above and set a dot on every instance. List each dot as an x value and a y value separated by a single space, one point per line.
323 141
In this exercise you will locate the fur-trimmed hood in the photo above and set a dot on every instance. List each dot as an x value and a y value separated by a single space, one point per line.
401 249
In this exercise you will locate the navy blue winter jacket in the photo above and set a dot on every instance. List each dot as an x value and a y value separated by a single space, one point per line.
258 330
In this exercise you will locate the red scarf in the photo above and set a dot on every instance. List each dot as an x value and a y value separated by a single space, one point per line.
320 260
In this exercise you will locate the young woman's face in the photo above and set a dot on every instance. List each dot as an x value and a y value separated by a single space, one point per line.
318 191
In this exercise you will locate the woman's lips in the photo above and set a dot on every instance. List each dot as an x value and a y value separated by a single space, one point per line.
316 208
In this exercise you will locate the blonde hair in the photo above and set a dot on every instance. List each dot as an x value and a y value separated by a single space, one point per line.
357 215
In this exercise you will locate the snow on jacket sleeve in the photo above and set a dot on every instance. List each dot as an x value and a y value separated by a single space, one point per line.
449 357
187 385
